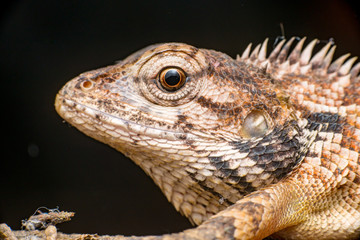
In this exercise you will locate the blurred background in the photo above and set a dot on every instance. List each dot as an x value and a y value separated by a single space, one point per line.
43 44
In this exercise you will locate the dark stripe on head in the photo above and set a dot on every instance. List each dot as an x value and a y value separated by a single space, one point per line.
203 185
230 176
278 158
223 110
329 122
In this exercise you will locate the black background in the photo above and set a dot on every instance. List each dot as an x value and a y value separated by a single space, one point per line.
44 44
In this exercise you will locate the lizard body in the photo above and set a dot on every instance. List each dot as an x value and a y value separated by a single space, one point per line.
244 148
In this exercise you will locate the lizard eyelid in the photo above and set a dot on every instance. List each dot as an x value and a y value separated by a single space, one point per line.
255 124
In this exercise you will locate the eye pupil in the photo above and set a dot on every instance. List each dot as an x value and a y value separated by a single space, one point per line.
172 77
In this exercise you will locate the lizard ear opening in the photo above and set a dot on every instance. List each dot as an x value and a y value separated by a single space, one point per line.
255 125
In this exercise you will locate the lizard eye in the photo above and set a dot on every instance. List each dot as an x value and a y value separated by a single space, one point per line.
171 79
255 125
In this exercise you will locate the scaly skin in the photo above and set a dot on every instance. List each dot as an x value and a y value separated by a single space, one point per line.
244 148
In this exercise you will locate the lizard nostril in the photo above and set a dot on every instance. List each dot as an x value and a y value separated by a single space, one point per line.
86 85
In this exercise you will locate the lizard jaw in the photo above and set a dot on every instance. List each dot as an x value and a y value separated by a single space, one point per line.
81 116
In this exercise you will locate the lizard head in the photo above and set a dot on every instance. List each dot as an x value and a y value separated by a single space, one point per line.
207 128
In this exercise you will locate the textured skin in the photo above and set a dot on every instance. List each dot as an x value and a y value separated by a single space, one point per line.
297 176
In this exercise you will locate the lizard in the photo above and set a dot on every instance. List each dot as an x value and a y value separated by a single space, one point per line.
246 148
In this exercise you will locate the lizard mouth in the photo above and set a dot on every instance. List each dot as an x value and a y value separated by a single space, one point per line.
88 120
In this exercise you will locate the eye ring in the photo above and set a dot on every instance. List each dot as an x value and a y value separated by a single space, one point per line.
172 78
